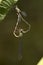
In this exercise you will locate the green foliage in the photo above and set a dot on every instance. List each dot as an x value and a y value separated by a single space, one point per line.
5 6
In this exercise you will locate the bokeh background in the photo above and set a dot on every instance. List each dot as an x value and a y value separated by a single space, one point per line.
32 42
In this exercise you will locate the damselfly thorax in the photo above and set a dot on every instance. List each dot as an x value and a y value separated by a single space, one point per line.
20 29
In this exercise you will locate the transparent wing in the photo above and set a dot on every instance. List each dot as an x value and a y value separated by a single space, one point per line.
24 13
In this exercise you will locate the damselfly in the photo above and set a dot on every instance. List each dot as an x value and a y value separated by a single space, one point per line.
20 30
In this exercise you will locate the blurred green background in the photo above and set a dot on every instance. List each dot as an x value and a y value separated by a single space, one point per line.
32 41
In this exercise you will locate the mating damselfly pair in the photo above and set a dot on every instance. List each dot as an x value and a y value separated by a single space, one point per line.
20 31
